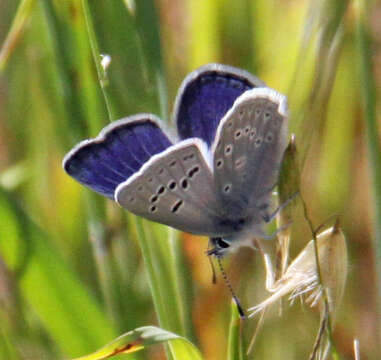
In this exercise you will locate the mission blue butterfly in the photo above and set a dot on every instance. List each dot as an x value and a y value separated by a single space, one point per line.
214 177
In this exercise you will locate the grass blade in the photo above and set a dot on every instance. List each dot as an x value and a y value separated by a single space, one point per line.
156 248
69 313
235 349
142 338
15 32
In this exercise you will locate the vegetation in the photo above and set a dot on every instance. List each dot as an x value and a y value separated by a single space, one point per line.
76 271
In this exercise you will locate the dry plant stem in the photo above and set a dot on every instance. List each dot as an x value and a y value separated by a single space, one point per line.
319 337
259 326
265 249
319 277
282 255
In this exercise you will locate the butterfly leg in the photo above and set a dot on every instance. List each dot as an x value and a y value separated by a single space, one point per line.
268 190
270 217
276 232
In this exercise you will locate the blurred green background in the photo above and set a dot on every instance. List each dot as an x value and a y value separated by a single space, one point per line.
75 270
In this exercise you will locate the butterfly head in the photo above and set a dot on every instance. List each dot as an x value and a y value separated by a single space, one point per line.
220 247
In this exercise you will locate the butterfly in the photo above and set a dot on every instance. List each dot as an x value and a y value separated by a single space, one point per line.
214 178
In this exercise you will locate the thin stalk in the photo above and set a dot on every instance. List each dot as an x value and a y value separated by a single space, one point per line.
97 235
368 92
327 316
70 124
102 76
147 257
256 332
163 283
319 337
17 27
148 29
96 205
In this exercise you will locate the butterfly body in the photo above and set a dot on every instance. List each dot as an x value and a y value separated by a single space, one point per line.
217 179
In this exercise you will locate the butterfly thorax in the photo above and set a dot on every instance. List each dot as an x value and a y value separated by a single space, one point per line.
239 232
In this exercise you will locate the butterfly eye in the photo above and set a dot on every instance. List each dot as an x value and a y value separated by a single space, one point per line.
222 244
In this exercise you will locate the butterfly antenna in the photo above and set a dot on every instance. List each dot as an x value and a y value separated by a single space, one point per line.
239 307
214 277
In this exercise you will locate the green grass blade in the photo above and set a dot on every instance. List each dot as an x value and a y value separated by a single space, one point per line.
147 25
157 251
82 111
142 338
126 82
68 312
102 73
23 12
235 349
